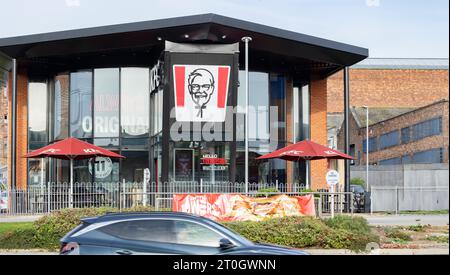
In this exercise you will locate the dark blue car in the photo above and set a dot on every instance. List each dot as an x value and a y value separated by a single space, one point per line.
159 233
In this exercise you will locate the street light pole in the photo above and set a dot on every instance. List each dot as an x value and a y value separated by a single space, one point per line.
246 40
367 147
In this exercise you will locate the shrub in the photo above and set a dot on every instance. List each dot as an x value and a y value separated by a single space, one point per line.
51 228
352 224
417 228
438 239
358 181
19 238
397 235
267 192
302 232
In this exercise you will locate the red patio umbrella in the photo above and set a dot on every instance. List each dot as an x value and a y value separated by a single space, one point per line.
72 149
306 150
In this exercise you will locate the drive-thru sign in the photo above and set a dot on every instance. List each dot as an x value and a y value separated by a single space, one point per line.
332 177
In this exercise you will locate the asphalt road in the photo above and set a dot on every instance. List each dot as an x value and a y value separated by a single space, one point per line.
407 220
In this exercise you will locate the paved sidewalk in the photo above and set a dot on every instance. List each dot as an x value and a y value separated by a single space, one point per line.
4 218
427 251
26 252
406 220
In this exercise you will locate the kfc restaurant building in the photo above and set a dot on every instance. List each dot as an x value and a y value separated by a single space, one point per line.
170 96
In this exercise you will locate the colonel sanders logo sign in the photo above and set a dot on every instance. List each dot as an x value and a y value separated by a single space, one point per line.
201 92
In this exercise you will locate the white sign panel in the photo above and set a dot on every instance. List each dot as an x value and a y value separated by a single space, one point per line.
146 175
201 92
332 177
103 167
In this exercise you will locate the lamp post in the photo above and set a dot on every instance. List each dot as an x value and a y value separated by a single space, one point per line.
246 40
367 147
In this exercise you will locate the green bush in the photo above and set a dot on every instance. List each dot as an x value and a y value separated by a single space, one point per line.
358 181
302 232
267 192
48 230
22 238
438 239
417 228
397 235
357 225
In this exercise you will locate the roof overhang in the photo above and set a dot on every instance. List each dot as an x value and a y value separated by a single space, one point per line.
272 48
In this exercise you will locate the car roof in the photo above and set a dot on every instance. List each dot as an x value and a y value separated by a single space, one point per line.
131 215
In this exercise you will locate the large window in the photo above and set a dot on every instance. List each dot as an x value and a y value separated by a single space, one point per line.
372 145
389 140
427 128
191 161
258 130
106 103
135 101
156 110
430 156
81 104
259 103
392 161
37 115
406 135
406 159
61 107
134 165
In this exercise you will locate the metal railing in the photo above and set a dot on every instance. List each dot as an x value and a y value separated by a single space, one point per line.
37 200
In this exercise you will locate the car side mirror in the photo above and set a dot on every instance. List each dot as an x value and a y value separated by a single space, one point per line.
225 243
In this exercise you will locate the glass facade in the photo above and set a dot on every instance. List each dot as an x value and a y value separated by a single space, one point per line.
114 108
134 101
106 104
81 104
37 130
61 107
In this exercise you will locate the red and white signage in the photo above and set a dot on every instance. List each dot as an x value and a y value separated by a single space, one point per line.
201 92
237 207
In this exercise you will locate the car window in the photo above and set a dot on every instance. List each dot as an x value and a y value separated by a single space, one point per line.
190 233
142 230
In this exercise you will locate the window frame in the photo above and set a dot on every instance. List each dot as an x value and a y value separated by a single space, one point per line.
98 227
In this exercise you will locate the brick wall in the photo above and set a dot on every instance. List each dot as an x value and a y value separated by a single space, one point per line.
388 88
319 130
22 131
439 109
3 126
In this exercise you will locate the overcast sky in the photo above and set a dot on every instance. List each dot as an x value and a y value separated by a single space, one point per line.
389 28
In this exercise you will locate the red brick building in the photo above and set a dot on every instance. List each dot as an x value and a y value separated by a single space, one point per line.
391 82
400 135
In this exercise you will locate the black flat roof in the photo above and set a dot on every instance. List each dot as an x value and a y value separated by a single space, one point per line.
270 46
